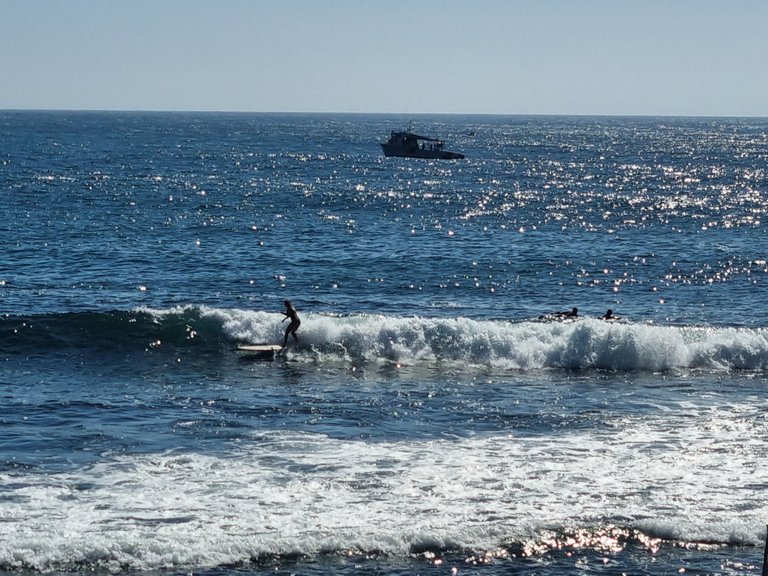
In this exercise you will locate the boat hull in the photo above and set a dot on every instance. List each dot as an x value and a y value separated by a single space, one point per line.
398 151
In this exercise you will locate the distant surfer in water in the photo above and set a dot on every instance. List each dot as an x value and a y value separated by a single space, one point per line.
290 313
572 314
609 315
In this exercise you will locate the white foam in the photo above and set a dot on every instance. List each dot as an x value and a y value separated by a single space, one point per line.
588 343
699 475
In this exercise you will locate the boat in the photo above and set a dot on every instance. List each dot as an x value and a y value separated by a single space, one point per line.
406 144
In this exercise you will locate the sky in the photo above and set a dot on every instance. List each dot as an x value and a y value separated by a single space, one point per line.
575 57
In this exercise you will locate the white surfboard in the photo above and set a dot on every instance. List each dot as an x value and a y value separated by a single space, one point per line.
260 348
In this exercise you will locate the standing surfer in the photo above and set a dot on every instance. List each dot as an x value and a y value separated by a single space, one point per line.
290 313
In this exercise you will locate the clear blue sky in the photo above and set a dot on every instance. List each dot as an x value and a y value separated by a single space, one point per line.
646 57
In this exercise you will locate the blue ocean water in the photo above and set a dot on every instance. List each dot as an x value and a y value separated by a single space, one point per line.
432 418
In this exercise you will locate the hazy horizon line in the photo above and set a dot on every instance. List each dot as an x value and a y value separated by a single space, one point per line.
338 113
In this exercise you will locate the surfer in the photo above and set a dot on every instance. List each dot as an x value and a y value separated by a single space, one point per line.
572 314
290 313
609 315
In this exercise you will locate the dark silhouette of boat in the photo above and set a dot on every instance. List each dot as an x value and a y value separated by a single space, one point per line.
409 145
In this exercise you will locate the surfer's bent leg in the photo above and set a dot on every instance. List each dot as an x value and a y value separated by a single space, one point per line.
292 327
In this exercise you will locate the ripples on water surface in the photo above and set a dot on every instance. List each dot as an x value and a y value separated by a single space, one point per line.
546 212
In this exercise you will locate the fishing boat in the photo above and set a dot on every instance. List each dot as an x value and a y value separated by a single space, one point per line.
409 145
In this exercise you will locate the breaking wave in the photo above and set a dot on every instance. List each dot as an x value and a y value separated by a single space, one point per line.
519 345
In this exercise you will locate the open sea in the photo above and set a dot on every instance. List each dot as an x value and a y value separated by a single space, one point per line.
431 419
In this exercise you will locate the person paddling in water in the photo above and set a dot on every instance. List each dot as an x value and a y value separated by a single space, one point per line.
609 315
574 313
290 313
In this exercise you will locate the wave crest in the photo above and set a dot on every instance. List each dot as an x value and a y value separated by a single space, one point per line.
524 345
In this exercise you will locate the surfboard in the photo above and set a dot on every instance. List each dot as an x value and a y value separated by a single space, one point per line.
556 318
260 348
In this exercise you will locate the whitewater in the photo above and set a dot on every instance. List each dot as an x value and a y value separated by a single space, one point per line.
456 343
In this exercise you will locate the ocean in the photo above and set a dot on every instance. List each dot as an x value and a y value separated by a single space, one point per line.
433 417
